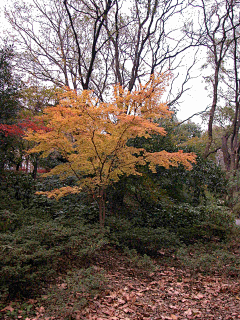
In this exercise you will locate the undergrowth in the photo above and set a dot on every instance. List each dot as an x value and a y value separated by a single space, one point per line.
41 239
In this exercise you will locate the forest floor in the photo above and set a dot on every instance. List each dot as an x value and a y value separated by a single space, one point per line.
134 293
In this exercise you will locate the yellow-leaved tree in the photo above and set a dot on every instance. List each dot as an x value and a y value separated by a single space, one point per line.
92 137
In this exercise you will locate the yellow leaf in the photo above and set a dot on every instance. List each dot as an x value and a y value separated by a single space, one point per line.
92 136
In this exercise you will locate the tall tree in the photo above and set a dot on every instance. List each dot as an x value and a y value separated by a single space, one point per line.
9 87
43 33
94 44
9 103
217 27
231 96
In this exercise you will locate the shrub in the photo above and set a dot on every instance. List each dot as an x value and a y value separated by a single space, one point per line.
192 224
16 186
208 259
8 221
143 262
170 225
31 255
143 239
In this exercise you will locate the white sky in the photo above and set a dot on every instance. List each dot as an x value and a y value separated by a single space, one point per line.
196 99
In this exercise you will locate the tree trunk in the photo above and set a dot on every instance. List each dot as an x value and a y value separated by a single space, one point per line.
35 167
226 156
213 108
102 206
18 166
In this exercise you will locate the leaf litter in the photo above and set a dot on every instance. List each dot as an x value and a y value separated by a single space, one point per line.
167 293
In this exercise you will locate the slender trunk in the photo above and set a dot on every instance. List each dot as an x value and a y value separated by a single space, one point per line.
27 164
18 166
226 156
35 166
212 111
102 206
233 158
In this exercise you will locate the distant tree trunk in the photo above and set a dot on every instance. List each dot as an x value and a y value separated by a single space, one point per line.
18 166
226 155
27 164
102 206
217 39
35 167
213 107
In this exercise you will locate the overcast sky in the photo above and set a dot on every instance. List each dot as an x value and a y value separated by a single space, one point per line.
194 100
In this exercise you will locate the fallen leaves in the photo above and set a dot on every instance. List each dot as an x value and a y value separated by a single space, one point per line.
62 286
167 294
8 308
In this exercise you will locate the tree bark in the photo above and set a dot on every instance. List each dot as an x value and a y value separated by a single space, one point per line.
102 206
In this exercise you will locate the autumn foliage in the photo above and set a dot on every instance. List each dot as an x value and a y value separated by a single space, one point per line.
92 137
19 129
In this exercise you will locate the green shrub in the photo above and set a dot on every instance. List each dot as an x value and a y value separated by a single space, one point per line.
192 224
170 225
209 259
31 255
143 239
8 221
143 262
236 209
16 186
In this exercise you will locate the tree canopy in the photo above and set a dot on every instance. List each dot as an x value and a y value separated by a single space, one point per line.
93 136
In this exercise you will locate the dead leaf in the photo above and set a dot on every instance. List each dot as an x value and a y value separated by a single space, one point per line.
188 312
140 294
195 311
8 308
173 307
199 296
41 309
62 286
32 301
108 311
121 301
127 310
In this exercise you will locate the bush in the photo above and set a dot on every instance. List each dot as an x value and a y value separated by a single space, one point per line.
31 255
208 259
192 224
142 262
170 225
8 221
144 239
18 187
